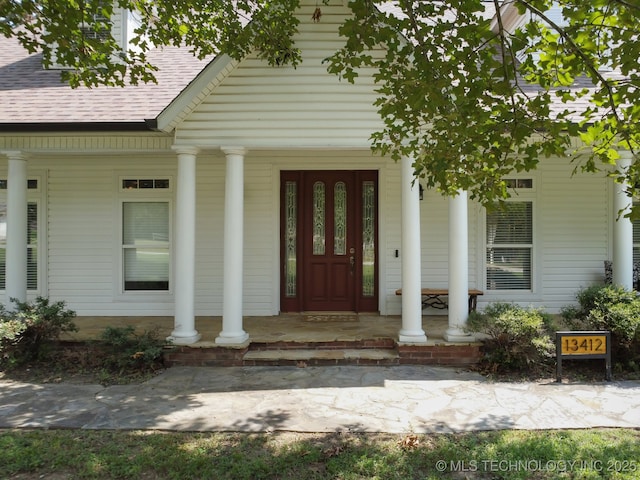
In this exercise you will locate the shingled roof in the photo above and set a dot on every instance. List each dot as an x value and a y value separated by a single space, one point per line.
31 95
34 98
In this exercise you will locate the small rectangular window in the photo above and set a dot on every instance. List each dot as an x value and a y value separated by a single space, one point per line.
100 29
145 183
519 183
32 184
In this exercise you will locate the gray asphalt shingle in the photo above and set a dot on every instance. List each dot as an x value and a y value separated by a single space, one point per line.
31 94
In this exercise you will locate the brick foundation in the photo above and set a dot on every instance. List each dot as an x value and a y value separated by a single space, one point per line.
220 356
439 354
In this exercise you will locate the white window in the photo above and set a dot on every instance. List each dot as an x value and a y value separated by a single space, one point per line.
509 241
32 234
146 235
121 27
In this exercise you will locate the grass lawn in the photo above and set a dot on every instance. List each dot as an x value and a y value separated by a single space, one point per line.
572 454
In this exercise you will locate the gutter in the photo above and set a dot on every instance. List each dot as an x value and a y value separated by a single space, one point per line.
139 126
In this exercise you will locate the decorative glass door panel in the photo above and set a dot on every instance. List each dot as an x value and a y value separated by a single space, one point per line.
329 241
319 208
369 208
340 219
290 239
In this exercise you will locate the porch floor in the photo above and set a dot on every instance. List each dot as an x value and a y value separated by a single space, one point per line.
271 329
299 339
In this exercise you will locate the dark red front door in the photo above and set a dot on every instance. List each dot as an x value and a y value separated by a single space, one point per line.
328 248
329 232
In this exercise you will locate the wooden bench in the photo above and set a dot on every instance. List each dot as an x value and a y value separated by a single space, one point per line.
432 297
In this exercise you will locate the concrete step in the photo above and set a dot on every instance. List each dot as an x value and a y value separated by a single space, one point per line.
366 352
320 356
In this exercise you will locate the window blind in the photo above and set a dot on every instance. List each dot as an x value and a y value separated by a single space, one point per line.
145 240
509 247
32 244
3 244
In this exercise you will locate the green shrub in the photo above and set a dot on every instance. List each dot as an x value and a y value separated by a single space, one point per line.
125 350
610 308
516 338
26 332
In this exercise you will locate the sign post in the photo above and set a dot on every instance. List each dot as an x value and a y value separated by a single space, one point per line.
583 346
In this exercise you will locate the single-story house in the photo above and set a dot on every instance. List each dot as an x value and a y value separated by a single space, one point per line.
236 189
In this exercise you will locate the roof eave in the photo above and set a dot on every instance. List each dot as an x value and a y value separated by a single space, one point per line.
194 92
44 127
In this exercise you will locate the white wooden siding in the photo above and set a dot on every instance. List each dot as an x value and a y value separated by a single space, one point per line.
434 235
84 235
260 106
390 236
574 241
210 233
572 232
261 253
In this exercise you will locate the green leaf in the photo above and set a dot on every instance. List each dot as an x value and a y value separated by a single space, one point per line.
470 104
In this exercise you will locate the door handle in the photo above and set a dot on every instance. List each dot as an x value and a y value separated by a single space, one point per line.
352 260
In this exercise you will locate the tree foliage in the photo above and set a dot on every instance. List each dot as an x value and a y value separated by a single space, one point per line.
471 98
77 33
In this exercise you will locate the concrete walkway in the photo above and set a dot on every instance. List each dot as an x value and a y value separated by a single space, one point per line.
397 399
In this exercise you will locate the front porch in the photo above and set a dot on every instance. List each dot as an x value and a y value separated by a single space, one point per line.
300 339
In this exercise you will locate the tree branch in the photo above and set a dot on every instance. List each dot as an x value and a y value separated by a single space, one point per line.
503 46
578 51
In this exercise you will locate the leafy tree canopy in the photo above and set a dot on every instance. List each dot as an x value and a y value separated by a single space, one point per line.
470 98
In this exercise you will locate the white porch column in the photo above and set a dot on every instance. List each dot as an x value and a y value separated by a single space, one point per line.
184 331
458 269
232 330
622 230
411 331
16 251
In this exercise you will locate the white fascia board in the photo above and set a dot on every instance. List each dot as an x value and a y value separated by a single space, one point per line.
193 94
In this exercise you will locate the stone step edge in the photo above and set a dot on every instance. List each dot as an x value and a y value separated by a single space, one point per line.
383 343
321 354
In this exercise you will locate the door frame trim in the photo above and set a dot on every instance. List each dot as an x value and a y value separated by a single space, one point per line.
361 304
